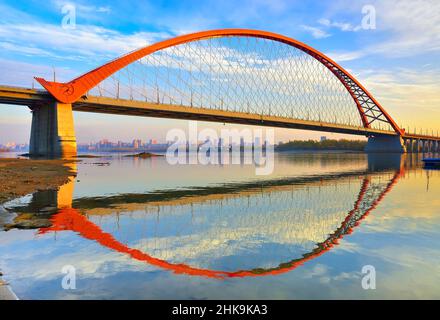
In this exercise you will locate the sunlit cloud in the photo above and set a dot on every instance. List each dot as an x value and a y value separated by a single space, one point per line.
316 32
343 26
84 41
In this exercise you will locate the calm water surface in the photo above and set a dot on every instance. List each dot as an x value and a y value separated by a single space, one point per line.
144 229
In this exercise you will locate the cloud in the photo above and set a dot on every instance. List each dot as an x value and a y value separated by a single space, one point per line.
343 26
103 9
407 94
24 49
82 43
404 28
412 33
85 10
346 56
317 33
17 73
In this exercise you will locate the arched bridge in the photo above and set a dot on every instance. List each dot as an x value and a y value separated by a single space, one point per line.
233 75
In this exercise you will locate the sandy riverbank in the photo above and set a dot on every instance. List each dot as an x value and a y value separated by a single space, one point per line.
6 292
19 177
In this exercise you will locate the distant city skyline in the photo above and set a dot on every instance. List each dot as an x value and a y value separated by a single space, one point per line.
136 127
134 142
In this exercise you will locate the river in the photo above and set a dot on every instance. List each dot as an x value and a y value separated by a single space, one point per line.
130 228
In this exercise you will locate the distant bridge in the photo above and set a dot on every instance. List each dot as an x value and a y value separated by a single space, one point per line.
234 75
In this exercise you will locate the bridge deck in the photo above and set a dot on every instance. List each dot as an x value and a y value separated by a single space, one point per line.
421 137
148 109
33 97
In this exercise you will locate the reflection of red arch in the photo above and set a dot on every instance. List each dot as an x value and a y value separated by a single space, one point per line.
72 219
73 90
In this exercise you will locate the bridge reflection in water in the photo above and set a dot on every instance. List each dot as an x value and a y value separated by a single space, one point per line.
235 230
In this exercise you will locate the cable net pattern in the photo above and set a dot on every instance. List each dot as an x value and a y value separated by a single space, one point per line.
242 74
265 229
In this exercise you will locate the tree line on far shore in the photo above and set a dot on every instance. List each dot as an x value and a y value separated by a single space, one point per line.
343 144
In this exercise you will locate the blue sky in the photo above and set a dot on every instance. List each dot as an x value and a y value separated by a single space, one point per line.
397 61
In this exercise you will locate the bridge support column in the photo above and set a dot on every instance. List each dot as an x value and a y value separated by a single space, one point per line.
384 144
408 145
52 132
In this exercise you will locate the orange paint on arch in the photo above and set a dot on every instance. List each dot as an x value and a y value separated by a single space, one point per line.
72 220
70 92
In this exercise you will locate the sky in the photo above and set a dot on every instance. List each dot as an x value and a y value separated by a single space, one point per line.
397 60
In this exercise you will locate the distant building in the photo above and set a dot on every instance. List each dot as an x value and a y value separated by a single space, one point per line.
106 145
13 146
257 142
323 138
137 143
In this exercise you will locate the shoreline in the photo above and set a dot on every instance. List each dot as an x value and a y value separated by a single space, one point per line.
6 292
19 177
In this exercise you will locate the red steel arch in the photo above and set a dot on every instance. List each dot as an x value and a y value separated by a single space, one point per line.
72 219
367 105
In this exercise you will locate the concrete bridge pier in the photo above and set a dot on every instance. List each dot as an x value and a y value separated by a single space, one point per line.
434 147
385 144
409 144
52 132
424 146
414 145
